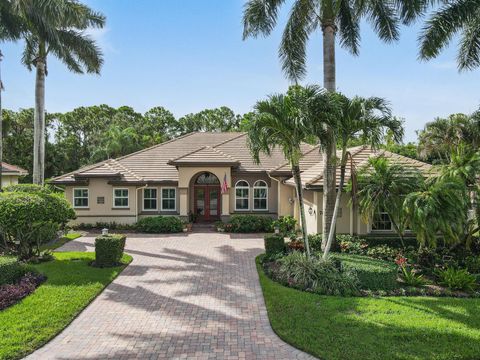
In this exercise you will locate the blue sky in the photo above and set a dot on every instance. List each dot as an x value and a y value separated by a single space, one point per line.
189 55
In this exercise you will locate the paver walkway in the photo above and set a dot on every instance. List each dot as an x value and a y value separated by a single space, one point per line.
183 297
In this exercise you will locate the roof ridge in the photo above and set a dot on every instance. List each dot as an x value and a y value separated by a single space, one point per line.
189 153
315 147
126 169
228 140
222 153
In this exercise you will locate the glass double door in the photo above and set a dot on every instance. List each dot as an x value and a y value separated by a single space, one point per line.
207 203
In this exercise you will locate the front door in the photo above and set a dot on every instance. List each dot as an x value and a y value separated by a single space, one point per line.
207 203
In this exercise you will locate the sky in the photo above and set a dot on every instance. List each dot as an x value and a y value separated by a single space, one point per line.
188 55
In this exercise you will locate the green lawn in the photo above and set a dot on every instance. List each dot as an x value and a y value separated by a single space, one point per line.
374 328
70 287
61 241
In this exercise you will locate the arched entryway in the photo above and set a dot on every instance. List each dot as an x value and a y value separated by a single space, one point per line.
207 197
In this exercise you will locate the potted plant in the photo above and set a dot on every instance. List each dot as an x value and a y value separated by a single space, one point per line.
187 227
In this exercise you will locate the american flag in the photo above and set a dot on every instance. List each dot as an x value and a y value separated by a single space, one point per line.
224 184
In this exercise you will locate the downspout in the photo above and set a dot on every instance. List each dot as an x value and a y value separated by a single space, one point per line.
136 202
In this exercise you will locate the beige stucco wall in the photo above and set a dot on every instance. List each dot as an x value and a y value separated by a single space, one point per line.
286 197
9 180
251 179
105 212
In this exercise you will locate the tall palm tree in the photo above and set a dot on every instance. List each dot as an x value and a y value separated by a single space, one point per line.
460 17
278 122
368 119
332 17
11 28
59 30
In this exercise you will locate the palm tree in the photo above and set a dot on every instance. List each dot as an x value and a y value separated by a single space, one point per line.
462 18
382 187
331 17
368 119
58 29
10 30
278 122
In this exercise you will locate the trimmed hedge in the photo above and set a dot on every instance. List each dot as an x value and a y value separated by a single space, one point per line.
393 241
160 224
373 274
10 270
250 224
109 250
274 244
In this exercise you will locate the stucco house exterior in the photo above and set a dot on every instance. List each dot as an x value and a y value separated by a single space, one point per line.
11 173
213 176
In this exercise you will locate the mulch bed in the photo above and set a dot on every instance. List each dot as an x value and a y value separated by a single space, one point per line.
12 293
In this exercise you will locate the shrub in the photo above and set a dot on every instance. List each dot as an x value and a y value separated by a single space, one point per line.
28 220
352 244
383 252
472 264
373 274
12 293
315 241
10 270
456 279
315 275
296 245
160 224
392 241
286 225
109 250
250 224
274 244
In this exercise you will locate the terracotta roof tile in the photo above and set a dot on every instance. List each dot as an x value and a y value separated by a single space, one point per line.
8 169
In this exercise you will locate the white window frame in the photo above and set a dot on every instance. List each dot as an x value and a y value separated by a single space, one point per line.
381 230
122 197
88 198
255 186
174 198
242 198
143 199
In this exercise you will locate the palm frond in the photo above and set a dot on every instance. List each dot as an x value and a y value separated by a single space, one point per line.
349 27
260 17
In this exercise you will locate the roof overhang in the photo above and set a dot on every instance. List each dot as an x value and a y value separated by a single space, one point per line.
203 163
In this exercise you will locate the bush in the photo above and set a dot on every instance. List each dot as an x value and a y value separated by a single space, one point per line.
28 219
250 224
315 242
10 270
352 244
274 244
472 264
392 241
373 274
109 250
286 225
160 224
457 279
383 252
315 275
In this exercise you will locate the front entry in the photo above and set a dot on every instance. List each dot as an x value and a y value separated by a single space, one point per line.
207 197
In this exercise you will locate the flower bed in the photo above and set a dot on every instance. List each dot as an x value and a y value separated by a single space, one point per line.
12 293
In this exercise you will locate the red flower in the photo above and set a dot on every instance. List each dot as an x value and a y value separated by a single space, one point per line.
401 260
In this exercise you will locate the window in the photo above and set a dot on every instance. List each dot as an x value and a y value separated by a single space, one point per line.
80 198
260 195
241 195
381 222
150 199
169 199
120 198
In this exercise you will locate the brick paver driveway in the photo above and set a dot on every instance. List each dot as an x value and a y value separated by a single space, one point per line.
183 297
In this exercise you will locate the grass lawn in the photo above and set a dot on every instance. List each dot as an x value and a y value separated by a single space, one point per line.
61 241
354 328
70 287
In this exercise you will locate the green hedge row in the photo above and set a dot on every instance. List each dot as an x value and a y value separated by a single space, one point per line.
390 241
109 250
274 244
373 274
160 224
249 224
10 270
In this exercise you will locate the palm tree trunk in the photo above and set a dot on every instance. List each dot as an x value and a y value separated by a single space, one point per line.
303 221
39 124
329 154
331 233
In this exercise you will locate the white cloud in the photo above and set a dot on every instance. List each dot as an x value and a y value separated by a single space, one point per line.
444 65
102 39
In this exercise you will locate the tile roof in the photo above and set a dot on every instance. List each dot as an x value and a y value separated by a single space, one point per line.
8 169
313 176
157 163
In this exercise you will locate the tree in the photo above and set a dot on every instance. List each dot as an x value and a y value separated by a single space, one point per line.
162 121
55 27
279 122
331 17
368 119
220 119
382 187
453 19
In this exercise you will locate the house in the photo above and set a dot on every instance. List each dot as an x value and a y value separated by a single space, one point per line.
210 175
11 173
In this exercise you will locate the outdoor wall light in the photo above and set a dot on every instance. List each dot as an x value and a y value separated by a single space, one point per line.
290 201
310 211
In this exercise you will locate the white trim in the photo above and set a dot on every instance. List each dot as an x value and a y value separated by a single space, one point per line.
122 197
88 197
143 198
253 194
242 198
174 198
